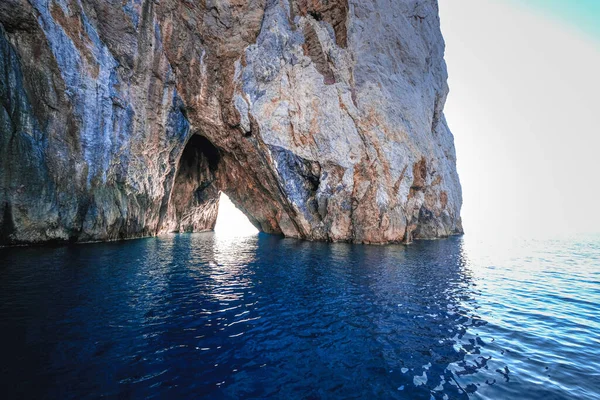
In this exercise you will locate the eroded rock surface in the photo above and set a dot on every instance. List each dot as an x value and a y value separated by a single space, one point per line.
321 119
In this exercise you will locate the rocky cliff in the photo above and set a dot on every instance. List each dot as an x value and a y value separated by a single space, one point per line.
321 119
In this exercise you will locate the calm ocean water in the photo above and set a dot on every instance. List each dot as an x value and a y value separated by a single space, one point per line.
254 317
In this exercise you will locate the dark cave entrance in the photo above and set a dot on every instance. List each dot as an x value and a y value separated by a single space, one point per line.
195 197
199 148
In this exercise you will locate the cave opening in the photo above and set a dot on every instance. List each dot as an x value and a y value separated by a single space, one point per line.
231 220
197 201
199 148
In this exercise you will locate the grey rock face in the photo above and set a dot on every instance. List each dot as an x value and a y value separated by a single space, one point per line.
320 119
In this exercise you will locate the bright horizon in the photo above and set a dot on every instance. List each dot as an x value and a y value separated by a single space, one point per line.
522 107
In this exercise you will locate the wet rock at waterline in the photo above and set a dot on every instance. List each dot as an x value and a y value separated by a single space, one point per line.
320 119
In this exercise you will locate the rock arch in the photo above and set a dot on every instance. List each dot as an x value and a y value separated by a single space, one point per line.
205 170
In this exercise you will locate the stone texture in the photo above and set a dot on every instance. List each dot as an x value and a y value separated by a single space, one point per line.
321 119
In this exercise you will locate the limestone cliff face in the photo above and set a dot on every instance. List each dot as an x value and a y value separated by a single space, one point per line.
321 119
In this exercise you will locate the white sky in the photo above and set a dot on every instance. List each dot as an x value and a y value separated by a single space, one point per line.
523 107
231 221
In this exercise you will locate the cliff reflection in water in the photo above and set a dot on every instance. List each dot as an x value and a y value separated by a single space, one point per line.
240 317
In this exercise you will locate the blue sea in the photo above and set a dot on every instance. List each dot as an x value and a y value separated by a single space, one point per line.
253 317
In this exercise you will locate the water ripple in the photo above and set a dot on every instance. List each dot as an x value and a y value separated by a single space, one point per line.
255 317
